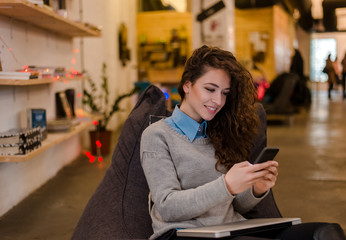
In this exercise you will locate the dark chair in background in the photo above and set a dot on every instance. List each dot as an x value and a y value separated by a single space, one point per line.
119 207
277 98
287 94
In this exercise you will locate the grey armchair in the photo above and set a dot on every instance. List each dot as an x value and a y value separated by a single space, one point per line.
119 207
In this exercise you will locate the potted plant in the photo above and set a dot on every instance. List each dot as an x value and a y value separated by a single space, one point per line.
98 102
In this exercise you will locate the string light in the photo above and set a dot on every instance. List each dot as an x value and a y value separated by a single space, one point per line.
9 49
91 157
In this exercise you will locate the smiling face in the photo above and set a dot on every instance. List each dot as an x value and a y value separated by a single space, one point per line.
205 98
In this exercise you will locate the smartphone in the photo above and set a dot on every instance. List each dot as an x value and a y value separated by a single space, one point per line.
268 153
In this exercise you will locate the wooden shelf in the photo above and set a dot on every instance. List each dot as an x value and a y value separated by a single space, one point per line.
51 140
14 82
45 18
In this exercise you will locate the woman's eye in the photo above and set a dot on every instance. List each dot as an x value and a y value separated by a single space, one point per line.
210 89
226 93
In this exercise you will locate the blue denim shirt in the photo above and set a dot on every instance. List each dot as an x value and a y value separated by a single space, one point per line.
185 125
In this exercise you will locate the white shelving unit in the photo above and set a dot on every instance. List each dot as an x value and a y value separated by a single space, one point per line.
48 20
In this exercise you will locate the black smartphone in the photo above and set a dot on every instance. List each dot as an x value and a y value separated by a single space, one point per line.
268 153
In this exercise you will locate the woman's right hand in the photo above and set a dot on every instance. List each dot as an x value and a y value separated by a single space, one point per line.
244 175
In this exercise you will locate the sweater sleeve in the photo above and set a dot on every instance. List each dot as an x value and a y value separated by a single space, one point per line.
246 200
171 201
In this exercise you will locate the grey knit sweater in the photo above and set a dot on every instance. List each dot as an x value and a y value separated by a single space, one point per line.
186 190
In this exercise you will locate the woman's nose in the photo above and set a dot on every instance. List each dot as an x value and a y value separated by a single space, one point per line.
217 98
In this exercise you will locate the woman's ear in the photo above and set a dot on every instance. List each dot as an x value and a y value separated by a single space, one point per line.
187 86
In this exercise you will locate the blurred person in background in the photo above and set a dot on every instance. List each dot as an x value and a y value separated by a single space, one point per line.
343 82
330 71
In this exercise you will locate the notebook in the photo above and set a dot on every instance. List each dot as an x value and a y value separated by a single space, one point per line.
238 228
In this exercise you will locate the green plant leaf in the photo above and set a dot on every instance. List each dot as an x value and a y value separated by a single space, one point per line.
98 101
89 100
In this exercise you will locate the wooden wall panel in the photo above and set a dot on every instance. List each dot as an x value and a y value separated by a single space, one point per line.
284 33
157 26
280 28
249 21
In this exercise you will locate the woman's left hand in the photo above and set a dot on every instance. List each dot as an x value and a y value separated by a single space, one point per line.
267 181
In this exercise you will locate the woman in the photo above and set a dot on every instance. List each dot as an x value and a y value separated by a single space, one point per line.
196 161
329 69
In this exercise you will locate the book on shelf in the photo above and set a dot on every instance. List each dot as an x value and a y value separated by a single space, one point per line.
70 95
15 75
20 136
61 125
63 106
14 149
39 72
20 141
36 117
37 2
48 72
18 149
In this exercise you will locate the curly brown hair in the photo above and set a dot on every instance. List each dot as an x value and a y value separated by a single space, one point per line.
232 130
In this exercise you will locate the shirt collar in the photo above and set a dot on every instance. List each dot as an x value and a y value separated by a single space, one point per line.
187 125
